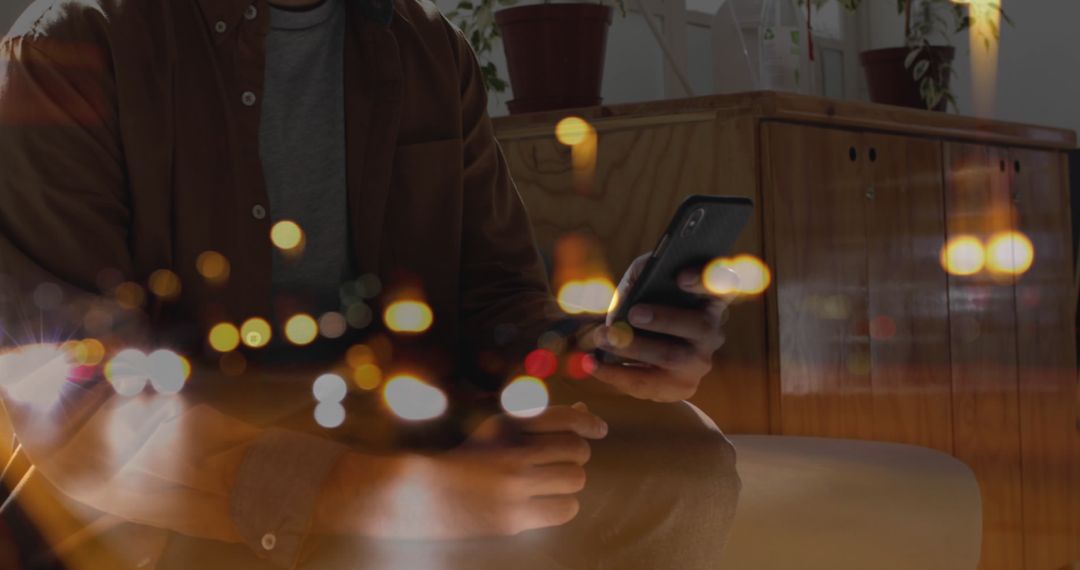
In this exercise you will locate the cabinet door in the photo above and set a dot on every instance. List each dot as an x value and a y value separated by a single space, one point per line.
908 308
986 425
1047 358
814 181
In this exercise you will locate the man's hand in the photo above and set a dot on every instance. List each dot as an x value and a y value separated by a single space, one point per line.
512 475
663 369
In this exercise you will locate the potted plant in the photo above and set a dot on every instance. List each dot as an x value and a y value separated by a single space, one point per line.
919 74
554 51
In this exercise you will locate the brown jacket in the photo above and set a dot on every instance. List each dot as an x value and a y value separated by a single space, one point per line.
129 143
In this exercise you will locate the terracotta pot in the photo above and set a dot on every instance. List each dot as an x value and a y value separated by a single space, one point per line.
555 54
892 84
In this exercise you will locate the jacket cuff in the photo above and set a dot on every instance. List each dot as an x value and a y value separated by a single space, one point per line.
273 499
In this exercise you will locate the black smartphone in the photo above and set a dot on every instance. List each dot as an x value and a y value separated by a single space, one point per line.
702 229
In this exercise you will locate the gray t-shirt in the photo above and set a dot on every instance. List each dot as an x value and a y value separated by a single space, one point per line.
302 145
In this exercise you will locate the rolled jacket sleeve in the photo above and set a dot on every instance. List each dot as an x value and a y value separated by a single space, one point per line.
276 490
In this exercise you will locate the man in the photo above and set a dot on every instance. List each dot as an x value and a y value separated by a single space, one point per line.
139 137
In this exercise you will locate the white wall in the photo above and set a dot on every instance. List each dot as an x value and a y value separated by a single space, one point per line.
1038 67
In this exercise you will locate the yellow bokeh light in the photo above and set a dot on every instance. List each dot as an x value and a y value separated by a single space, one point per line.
165 284
1010 253
410 398
224 337
75 351
286 235
93 351
213 267
525 397
963 255
572 131
359 355
256 333
593 296
130 295
367 376
408 316
301 329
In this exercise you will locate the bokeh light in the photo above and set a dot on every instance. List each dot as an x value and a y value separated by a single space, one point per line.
127 372
718 277
301 329
525 397
591 296
224 337
213 267
751 275
541 363
572 131
410 398
359 354
1009 253
286 235
620 335
167 371
408 316
165 284
329 388
963 255
129 295
580 365
329 414
48 296
367 376
36 374
882 327
256 333
332 325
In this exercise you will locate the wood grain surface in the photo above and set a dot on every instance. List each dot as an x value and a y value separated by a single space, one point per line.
1047 363
986 424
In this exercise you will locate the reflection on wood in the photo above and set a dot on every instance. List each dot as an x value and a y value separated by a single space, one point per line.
1049 438
814 176
908 306
986 426
862 334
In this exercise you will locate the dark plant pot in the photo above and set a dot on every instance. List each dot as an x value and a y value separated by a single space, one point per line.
892 84
555 54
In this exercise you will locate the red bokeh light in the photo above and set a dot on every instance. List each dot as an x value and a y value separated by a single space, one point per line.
541 363
580 365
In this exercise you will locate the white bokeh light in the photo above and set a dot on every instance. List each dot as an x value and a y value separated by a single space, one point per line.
128 372
329 414
413 399
167 371
329 388
525 397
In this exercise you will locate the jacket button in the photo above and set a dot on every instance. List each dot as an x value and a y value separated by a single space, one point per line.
269 541
220 27
251 12
258 212
248 98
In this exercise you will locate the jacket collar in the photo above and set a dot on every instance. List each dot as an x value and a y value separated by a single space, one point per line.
231 12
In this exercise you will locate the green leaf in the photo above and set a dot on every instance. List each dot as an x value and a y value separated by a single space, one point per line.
921 67
910 59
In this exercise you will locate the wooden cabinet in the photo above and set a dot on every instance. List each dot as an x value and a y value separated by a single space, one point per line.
864 333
